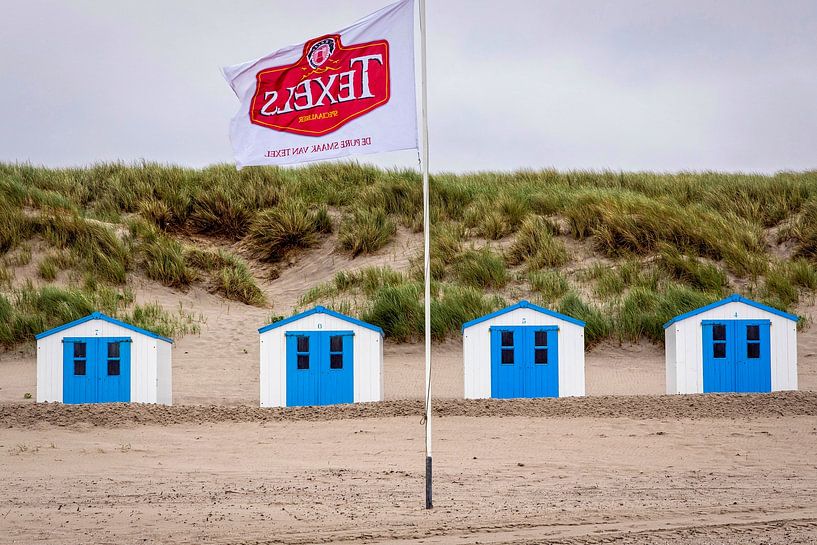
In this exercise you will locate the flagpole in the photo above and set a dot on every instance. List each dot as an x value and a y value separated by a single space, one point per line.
426 246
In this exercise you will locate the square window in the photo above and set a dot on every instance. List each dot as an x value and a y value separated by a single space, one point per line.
79 350
507 338
79 367
753 332
336 361
113 368
541 338
719 332
336 343
113 350
303 343
507 357
719 350
753 351
540 355
303 361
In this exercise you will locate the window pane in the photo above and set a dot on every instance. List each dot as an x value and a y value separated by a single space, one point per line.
113 368
753 350
79 350
753 332
113 350
336 361
719 332
540 355
303 361
79 367
336 343
507 356
541 338
303 343
507 338
719 350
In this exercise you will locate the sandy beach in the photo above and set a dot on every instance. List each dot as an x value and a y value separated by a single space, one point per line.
742 476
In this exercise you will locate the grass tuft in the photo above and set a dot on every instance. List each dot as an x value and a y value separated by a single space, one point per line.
536 245
481 269
598 325
277 232
366 231
549 285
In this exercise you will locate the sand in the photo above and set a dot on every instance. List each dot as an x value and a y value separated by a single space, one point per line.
513 479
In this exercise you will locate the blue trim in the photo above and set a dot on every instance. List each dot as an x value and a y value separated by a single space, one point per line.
334 332
523 304
320 310
109 339
105 318
536 327
735 298
743 320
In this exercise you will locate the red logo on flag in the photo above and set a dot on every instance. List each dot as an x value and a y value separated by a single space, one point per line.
329 86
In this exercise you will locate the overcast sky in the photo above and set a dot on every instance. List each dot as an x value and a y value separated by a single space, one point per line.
625 84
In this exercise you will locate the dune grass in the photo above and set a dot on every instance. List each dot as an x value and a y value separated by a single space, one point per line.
481 268
229 274
535 245
163 260
366 231
28 310
643 312
598 324
662 241
278 232
550 286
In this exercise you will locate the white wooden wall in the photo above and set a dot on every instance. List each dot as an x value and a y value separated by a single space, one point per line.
368 358
144 356
684 356
669 359
476 344
164 373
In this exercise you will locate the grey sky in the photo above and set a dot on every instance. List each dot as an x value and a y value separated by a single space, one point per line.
663 85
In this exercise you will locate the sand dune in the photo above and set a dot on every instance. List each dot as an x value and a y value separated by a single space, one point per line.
220 365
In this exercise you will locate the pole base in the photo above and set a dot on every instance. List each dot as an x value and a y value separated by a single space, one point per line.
429 504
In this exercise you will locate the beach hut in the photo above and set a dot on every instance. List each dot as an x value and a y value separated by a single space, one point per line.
733 345
320 357
523 351
98 359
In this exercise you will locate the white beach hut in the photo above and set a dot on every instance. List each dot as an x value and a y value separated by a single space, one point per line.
523 351
320 357
733 345
98 359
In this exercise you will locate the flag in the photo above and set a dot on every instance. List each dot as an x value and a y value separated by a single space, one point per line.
346 93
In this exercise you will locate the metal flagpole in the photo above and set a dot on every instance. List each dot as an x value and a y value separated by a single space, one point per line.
426 245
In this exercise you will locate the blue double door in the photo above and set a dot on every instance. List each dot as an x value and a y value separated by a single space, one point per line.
96 369
737 356
319 368
524 361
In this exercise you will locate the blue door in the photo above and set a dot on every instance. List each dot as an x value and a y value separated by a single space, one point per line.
542 362
320 367
753 362
736 356
302 369
336 381
96 369
506 361
524 361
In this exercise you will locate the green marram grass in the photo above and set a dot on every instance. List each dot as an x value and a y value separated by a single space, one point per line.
622 250
28 310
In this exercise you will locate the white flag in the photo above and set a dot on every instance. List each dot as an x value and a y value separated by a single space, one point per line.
350 92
